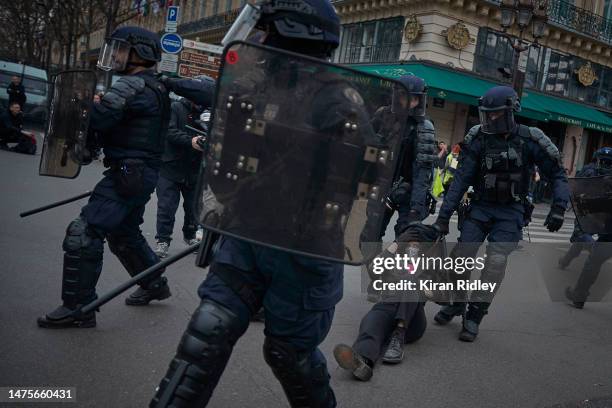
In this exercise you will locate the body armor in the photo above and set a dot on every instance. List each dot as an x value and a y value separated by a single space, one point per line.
144 132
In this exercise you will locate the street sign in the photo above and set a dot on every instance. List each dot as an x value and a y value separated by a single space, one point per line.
172 16
196 45
189 71
198 58
172 19
171 43
168 63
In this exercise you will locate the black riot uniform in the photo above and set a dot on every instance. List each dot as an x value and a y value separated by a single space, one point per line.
599 250
298 293
390 322
497 159
131 121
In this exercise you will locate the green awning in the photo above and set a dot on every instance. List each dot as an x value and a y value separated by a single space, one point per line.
573 113
466 88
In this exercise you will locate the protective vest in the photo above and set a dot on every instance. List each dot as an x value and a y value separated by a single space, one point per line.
504 172
147 131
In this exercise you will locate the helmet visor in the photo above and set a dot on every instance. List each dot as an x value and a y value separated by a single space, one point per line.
114 55
496 121
412 104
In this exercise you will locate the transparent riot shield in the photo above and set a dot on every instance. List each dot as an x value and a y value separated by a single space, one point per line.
293 159
592 201
66 135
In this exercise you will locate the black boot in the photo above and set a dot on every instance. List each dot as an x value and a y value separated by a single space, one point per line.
471 321
447 313
347 358
395 350
65 318
158 290
576 301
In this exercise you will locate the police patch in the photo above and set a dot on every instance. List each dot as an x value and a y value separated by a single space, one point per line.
352 95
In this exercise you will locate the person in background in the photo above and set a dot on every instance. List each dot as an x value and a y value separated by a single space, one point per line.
16 92
11 131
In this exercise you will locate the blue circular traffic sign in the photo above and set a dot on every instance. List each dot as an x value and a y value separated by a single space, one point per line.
171 43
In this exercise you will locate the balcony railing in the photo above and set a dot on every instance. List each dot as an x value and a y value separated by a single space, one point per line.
580 20
570 17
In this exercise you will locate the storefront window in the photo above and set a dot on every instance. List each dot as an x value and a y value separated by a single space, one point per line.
372 41
547 70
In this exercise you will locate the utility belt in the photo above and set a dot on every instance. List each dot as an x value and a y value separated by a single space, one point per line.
465 207
127 175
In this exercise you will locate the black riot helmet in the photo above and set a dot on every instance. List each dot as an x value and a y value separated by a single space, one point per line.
309 27
496 109
603 159
410 99
115 53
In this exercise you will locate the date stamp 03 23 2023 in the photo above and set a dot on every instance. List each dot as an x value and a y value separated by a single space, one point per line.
37 394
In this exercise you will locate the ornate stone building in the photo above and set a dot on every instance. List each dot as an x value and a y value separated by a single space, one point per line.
459 48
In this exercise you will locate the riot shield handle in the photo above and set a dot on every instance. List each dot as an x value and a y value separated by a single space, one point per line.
107 297
53 205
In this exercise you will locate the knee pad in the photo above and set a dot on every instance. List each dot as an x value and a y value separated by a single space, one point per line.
201 357
84 251
305 382
81 238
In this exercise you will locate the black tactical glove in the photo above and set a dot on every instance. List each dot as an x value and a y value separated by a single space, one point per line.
554 220
441 225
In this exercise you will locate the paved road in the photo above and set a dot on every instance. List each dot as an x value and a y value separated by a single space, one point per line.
532 352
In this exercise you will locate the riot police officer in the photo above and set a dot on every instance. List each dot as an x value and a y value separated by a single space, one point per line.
298 294
389 322
498 159
599 250
132 120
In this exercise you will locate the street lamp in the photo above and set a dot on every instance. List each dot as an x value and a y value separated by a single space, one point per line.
523 13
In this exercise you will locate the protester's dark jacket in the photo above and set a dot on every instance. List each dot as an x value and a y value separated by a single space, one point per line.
10 125
180 160
16 93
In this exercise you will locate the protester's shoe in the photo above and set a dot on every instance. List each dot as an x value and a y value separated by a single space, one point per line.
65 318
360 367
447 313
571 296
161 250
143 296
192 241
259 316
395 350
469 331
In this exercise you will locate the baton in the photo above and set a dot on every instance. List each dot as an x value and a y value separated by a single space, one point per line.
135 279
198 131
56 204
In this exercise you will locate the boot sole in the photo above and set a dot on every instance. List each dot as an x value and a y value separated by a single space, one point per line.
443 321
46 324
468 338
146 302
345 357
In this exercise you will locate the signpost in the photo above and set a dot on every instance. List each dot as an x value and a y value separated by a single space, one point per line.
171 43
198 58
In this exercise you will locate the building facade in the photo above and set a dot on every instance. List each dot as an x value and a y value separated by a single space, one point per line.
459 48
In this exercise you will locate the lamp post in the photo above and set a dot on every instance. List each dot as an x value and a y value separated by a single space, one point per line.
523 13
